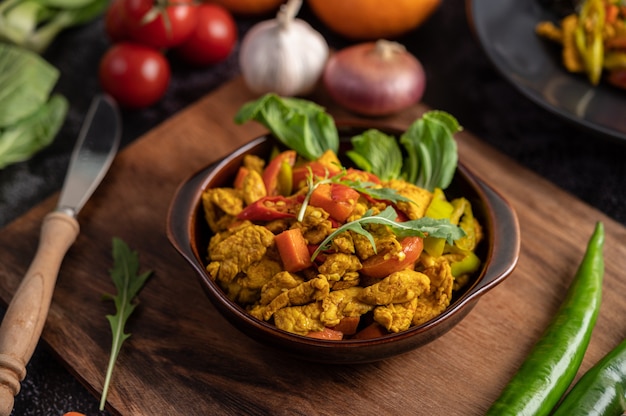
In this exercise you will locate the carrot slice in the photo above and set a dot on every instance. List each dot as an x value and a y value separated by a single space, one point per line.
373 330
326 333
348 325
241 175
293 250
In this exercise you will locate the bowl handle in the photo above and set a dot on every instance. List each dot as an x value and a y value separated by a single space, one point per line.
506 240
181 209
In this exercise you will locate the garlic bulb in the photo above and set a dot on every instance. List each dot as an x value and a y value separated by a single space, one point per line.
284 55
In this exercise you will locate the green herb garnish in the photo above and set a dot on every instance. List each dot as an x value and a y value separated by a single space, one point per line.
128 284
422 227
299 124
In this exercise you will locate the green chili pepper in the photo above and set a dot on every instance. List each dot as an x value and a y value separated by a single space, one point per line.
439 208
601 390
554 360
589 40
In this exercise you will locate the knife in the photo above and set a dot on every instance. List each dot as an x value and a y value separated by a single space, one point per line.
26 315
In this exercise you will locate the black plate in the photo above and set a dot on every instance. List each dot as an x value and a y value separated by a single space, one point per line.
506 31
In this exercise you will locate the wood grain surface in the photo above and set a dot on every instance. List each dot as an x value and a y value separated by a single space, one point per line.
183 358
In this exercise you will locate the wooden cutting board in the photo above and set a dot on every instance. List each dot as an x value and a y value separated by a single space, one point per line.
183 358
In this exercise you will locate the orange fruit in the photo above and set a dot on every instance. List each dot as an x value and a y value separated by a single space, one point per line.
372 19
250 7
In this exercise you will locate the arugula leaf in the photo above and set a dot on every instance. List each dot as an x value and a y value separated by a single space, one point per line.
382 194
431 150
299 124
23 139
378 153
422 227
128 284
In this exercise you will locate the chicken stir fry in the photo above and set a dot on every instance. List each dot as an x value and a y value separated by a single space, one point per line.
286 246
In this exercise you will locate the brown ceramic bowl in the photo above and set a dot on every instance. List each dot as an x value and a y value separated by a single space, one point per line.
189 234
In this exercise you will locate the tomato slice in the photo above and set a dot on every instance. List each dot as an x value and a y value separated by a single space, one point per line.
336 199
318 169
382 265
277 172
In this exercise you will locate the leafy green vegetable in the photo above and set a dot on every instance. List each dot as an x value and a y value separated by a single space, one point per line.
378 153
431 150
299 124
128 283
21 140
26 81
431 155
422 227
34 24
29 117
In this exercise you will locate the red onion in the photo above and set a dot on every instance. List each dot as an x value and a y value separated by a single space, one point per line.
374 78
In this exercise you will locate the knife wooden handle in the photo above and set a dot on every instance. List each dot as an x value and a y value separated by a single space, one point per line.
27 313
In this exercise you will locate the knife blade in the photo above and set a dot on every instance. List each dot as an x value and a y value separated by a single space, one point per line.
27 312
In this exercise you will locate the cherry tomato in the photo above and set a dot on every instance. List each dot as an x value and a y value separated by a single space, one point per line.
135 75
382 264
114 22
159 23
213 39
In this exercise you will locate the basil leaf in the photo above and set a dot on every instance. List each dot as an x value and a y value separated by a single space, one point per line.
377 153
21 140
299 124
26 81
431 150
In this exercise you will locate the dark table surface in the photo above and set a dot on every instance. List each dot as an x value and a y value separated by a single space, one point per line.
461 80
